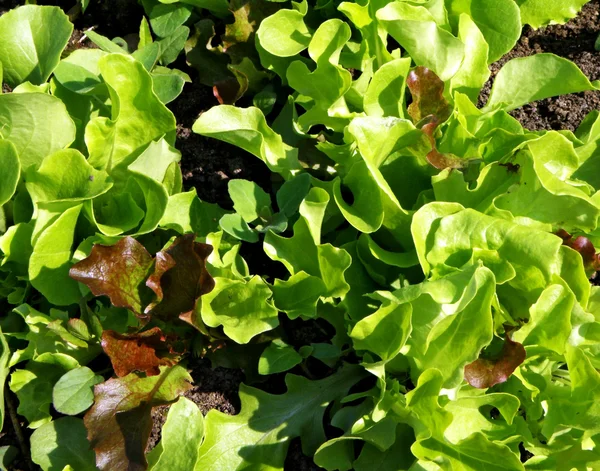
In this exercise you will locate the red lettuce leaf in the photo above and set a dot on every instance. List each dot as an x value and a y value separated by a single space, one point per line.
180 278
144 352
117 271
427 92
487 372
120 421
584 246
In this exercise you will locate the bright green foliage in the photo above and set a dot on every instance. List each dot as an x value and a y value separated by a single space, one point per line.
62 443
11 170
73 392
278 357
527 79
32 40
173 452
242 308
33 385
37 124
267 423
437 250
539 13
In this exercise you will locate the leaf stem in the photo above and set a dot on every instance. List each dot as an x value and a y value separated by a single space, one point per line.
12 412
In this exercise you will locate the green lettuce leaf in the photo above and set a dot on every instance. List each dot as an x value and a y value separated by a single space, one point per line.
33 38
532 78
267 423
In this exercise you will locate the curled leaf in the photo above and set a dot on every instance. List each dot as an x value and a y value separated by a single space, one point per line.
487 372
120 421
117 271
180 278
144 352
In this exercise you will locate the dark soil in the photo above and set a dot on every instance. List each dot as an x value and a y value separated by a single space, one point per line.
213 389
575 41
208 164
6 5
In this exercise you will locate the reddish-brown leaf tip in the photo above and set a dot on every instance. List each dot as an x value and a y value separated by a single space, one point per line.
487 372
117 271
180 278
427 91
144 352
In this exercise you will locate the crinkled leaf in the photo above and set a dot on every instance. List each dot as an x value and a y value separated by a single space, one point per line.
329 81
139 119
262 431
472 454
145 352
185 212
546 193
179 278
117 271
323 261
243 308
550 323
73 392
120 422
66 176
33 38
440 338
487 372
579 407
427 91
284 34
298 295
473 72
384 332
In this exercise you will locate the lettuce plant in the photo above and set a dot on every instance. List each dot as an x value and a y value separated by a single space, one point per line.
447 249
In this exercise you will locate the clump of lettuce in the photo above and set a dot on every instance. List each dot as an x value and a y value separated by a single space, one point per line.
447 248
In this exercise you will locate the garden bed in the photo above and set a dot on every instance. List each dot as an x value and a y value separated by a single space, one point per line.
208 165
